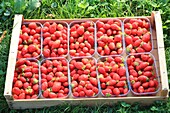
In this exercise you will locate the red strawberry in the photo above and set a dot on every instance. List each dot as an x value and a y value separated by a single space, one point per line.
93 81
79 65
89 93
147 47
143 65
80 30
145 85
143 78
56 87
116 91
148 73
111 82
121 84
52 95
140 89
32 25
137 43
151 83
107 92
136 85
101 70
122 71
16 90
146 37
128 40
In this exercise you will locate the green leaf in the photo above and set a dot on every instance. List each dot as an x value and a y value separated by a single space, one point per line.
153 108
33 4
54 5
83 4
0 31
7 13
1 10
124 104
1 72
8 4
167 22
91 8
165 27
19 6
153 4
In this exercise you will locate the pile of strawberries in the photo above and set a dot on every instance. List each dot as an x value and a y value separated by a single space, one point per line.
26 79
112 75
137 35
142 74
82 39
54 78
68 59
109 37
30 41
84 81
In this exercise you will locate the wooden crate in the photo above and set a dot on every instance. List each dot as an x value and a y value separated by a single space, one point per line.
158 52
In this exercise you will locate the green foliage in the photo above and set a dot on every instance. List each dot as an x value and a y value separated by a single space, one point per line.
43 9
25 5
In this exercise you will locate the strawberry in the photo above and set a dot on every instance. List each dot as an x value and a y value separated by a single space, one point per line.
89 93
151 83
147 73
122 71
128 40
116 91
16 90
56 87
136 85
147 47
143 78
121 84
140 89
80 30
111 82
148 68
146 37
79 65
143 65
107 92
145 85
101 70
93 81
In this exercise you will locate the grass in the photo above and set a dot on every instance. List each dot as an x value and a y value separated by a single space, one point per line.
81 9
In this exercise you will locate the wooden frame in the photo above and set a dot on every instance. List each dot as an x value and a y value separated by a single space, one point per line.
158 52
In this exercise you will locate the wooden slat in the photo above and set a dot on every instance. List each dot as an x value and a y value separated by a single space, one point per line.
21 104
76 19
159 30
12 56
161 53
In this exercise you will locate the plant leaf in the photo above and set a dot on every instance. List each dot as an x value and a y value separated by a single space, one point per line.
153 108
124 104
1 10
33 4
83 4
19 6
54 5
91 8
7 13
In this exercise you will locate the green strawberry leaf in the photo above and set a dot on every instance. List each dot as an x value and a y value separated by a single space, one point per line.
33 4
19 6
83 4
